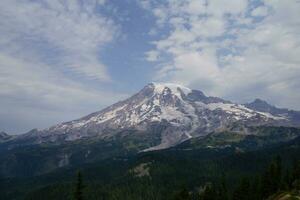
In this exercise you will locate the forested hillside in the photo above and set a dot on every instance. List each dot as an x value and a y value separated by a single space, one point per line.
172 174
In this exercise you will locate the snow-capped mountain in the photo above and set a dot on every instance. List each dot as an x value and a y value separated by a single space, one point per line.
183 112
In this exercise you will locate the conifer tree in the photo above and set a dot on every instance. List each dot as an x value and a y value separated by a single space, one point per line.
78 194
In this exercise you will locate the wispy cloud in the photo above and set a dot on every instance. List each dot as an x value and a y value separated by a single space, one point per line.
33 95
66 33
236 49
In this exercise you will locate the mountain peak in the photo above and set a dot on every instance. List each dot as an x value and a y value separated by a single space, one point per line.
264 106
174 88
260 105
260 101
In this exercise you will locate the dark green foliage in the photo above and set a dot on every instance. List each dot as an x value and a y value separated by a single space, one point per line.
287 180
223 194
78 190
263 136
57 192
296 170
35 160
209 193
278 173
182 195
255 188
272 178
295 179
242 192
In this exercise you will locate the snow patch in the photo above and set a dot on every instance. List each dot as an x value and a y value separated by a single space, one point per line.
159 88
240 111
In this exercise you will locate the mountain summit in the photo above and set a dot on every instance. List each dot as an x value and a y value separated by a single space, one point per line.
174 112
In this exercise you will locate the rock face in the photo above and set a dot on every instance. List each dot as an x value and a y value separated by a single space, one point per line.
181 112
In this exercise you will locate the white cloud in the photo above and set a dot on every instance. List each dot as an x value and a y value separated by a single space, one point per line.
210 27
260 11
66 33
220 48
152 55
233 7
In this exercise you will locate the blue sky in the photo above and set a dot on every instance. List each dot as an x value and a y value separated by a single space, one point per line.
62 59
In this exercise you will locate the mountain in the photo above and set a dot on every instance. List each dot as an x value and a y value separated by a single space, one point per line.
174 112
263 106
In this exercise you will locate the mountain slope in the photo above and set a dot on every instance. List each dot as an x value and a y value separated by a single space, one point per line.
243 138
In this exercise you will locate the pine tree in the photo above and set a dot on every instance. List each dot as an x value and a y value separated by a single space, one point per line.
78 194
